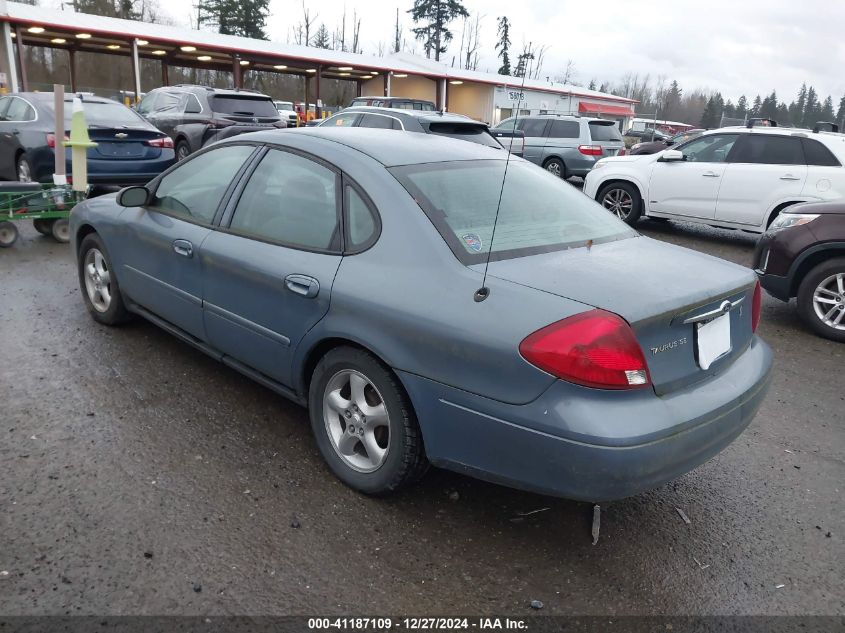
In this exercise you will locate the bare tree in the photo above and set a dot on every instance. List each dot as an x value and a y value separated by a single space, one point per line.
356 32
541 56
568 74
397 35
470 42
302 31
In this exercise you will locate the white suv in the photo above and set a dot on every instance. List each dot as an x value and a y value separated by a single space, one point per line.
735 177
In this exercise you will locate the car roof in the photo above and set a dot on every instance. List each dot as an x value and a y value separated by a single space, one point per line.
449 117
389 147
195 88
47 97
832 140
381 98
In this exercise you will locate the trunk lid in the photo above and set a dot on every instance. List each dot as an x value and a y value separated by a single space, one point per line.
606 135
656 287
123 143
245 109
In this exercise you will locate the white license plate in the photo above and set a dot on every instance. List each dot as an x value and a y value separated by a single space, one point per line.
713 339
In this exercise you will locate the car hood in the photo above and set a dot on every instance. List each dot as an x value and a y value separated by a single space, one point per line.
627 158
836 207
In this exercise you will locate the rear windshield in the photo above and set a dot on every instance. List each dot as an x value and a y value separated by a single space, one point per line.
473 133
601 131
105 115
539 212
246 106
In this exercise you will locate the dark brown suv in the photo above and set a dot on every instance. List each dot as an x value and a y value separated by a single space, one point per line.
803 255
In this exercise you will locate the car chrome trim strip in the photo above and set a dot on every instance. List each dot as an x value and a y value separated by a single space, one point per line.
724 308
187 296
246 323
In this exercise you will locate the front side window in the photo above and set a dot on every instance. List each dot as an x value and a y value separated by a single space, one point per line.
147 103
380 122
4 103
768 149
713 148
195 188
539 212
290 200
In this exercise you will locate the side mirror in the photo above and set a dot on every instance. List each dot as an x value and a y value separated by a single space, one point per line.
133 197
672 156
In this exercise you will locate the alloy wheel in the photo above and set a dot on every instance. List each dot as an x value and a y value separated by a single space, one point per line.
356 420
618 201
553 168
829 301
24 173
97 280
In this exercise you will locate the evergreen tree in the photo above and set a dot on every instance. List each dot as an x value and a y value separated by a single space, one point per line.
322 39
730 110
769 106
840 113
503 45
741 107
672 101
811 109
436 15
782 116
710 118
236 17
592 85
756 107
827 110
796 110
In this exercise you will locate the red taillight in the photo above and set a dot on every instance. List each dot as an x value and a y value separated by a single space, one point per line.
594 349
164 142
590 150
218 124
622 152
756 303
51 140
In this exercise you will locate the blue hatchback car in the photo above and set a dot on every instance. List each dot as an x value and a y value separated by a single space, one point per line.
341 268
129 150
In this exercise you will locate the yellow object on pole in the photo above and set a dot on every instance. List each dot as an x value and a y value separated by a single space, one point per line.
79 143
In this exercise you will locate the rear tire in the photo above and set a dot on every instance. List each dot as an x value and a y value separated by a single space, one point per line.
8 234
23 169
821 299
623 200
60 231
45 227
555 167
183 150
99 285
364 424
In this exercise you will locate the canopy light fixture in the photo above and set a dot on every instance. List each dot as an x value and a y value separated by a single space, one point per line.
400 75
142 42
58 40
344 74
159 52
83 36
280 67
244 62
113 47
35 29
187 49
204 58
456 82
310 70
345 68
372 72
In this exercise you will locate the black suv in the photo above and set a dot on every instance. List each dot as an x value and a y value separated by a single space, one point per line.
194 116
802 255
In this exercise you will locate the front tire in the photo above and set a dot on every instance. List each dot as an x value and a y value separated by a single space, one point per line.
45 227
23 169
60 230
364 424
555 167
100 289
183 150
821 299
623 200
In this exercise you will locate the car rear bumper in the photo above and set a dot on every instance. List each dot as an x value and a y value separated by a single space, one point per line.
590 444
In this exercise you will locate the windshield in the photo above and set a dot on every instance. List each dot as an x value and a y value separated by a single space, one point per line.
284 105
539 212
109 114
245 106
473 133
604 131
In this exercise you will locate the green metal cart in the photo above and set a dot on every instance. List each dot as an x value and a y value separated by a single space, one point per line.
48 206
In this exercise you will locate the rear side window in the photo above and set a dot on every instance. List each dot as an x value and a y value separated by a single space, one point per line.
532 127
539 212
194 189
565 129
342 120
473 133
380 122
817 154
169 102
19 110
291 200
361 221
768 149
244 106
600 131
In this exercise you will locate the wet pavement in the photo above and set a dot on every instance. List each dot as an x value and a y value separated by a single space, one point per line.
138 476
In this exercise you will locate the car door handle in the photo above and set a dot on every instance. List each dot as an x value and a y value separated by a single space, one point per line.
710 174
183 248
789 177
302 285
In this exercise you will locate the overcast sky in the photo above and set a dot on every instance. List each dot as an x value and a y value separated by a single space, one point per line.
735 46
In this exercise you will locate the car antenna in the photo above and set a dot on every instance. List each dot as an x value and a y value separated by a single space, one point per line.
482 293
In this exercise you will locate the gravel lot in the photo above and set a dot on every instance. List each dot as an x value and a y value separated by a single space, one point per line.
137 476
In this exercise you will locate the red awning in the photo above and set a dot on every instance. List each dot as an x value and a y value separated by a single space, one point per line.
598 108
